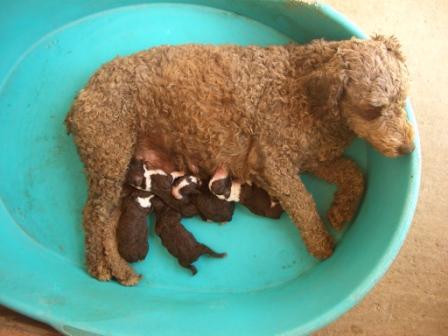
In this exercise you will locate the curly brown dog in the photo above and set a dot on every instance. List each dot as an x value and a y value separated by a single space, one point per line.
264 113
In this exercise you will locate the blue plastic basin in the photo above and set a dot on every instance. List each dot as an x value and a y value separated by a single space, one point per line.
268 284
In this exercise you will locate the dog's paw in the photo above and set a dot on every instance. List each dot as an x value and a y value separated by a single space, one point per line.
124 273
322 248
98 268
130 280
342 211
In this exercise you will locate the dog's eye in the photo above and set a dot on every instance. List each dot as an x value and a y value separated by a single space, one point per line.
372 112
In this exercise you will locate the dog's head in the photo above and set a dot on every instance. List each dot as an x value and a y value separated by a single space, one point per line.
367 83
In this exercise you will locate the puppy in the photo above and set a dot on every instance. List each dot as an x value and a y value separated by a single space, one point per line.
211 208
256 199
174 189
179 242
132 228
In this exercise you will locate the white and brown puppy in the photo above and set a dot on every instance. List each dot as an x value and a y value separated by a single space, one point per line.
132 228
251 196
174 188
214 209
202 202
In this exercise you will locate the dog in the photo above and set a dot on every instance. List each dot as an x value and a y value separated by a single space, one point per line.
265 114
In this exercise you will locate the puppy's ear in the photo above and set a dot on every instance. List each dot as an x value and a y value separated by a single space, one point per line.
324 89
392 45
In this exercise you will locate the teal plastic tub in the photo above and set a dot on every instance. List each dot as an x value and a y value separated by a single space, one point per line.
268 284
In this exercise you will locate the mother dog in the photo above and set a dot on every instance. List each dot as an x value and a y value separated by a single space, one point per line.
265 114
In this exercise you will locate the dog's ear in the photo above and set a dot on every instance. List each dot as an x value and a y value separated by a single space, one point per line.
324 89
392 45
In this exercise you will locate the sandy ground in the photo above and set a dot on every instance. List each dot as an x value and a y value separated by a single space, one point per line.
412 299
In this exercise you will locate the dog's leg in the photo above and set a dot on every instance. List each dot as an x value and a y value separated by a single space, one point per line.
101 217
105 139
282 182
350 183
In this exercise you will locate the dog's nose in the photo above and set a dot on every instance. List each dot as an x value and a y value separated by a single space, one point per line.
406 149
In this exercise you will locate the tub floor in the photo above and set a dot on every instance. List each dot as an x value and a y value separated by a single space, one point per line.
412 299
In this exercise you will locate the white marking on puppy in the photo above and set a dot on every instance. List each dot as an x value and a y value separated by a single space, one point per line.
273 204
221 197
220 174
193 179
148 173
175 191
144 202
235 192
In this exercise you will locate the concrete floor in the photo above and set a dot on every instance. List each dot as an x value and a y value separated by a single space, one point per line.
412 299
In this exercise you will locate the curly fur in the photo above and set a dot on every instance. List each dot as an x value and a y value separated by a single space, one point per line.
264 113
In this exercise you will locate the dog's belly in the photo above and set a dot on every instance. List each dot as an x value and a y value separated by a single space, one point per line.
199 152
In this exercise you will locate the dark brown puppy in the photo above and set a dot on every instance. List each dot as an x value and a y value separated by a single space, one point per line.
259 202
200 201
179 242
184 190
132 229
251 196
211 208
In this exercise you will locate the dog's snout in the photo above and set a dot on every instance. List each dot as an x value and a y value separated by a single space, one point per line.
406 149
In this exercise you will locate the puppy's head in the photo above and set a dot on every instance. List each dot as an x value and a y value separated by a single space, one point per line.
141 177
367 83
185 186
135 176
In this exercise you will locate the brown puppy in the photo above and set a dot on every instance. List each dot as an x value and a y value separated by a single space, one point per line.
198 200
265 113
184 190
251 196
179 242
211 208
132 229
259 202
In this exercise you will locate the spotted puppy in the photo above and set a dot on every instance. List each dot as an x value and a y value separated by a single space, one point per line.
179 242
185 188
251 196
201 202
167 187
132 228
212 208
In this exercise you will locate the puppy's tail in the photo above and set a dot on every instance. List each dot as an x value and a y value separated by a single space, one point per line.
207 250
